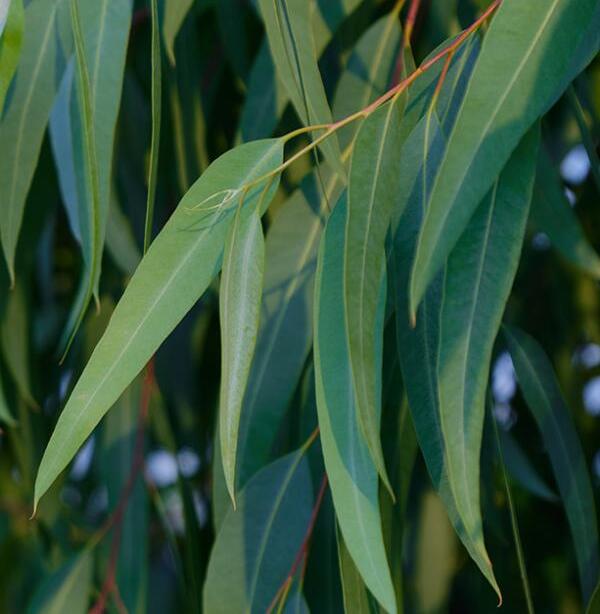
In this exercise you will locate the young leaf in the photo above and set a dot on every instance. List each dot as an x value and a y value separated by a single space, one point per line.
66 590
239 306
373 186
175 272
25 117
353 478
285 334
258 543
519 74
477 282
288 27
11 40
552 214
544 398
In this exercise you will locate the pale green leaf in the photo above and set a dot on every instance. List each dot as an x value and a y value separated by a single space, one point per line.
477 282
120 242
355 593
373 185
239 307
525 57
66 590
288 27
258 543
11 40
175 11
179 266
25 117
552 214
353 478
543 396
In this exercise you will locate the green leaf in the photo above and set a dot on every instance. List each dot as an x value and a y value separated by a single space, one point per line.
25 117
353 478
175 272
288 27
117 459
66 590
120 242
521 469
240 301
519 74
5 413
175 11
372 189
258 543
285 335
477 282
552 213
594 603
420 347
356 595
11 40
544 398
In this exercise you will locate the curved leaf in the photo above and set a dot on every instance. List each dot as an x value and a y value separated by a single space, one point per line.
525 57
353 479
175 11
11 40
372 189
174 273
24 121
240 299
544 398
258 542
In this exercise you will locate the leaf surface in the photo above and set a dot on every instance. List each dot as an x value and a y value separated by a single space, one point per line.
525 57
175 11
543 396
353 477
174 273
11 40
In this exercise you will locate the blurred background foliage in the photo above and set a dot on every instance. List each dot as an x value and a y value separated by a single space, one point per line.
219 89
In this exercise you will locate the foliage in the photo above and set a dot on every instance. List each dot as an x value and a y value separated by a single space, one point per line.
267 268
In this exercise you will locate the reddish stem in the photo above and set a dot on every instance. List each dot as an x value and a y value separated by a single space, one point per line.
303 550
116 519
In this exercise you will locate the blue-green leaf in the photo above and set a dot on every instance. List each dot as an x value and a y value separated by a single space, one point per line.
543 396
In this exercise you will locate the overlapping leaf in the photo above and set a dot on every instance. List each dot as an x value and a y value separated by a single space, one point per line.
544 398
175 11
353 478
258 543
175 272
46 43
525 58
240 300
11 39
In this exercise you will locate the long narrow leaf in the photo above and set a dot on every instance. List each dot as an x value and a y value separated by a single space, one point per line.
11 40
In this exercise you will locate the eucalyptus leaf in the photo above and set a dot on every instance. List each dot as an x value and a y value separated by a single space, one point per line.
175 272
240 299
353 478
524 60
544 398
258 543
175 12
11 39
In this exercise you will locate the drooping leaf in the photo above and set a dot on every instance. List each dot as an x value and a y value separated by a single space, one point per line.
5 413
543 396
356 595
521 470
288 27
118 457
66 590
477 282
353 477
372 189
523 61
258 543
25 117
175 11
240 300
120 242
11 40
175 272
285 333
552 214
419 347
